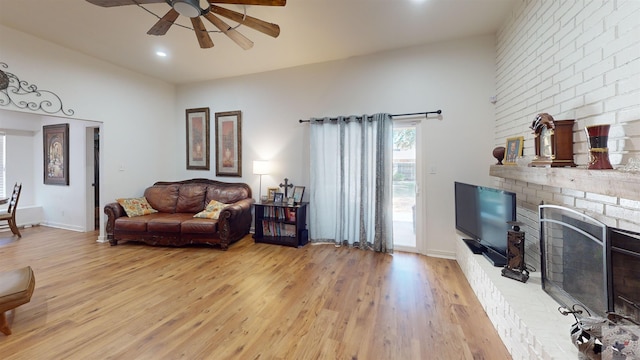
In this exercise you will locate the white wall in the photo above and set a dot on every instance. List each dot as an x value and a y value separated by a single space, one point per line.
136 114
457 77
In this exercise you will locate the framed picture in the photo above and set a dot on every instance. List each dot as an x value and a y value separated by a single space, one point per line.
298 192
271 193
278 197
56 154
229 143
198 139
291 201
513 150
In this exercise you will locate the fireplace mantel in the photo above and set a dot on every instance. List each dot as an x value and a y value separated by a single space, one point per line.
606 182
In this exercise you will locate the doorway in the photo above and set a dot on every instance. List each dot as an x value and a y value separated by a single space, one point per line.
405 185
96 176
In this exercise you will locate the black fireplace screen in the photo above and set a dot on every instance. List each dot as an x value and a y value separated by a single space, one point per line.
574 257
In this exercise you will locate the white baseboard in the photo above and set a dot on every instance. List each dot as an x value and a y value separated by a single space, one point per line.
63 226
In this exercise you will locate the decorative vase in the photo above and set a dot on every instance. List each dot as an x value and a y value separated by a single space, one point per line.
598 151
498 153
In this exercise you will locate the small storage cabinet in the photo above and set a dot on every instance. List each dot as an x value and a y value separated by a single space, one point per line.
281 224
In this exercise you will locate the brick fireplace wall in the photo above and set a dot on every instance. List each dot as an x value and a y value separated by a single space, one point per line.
574 60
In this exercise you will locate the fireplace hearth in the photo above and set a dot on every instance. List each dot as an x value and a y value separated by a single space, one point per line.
587 263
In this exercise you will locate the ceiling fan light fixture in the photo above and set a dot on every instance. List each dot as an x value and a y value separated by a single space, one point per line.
188 8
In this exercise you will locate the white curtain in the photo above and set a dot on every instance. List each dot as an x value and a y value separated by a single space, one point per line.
351 181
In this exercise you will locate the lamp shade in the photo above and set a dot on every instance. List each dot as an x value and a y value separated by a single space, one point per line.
260 167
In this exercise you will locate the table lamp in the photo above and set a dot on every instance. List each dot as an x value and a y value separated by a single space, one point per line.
260 167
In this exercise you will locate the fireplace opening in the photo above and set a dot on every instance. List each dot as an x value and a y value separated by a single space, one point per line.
587 263
625 272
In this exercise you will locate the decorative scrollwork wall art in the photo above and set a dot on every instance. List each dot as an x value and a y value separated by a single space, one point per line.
28 96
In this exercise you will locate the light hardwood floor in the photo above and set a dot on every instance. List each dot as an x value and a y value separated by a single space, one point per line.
254 301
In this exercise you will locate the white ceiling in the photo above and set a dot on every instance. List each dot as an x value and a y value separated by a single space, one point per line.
312 31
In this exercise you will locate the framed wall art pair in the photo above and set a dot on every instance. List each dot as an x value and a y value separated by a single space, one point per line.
228 141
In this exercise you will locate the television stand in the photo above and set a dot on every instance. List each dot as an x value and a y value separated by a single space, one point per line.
475 246
494 258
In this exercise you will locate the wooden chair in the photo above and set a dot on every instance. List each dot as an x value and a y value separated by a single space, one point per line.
10 215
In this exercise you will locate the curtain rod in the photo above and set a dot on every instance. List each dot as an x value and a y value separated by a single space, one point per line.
426 113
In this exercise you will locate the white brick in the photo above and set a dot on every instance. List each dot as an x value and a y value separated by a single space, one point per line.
601 41
597 17
590 33
588 9
590 110
629 84
622 101
623 213
600 68
623 71
588 60
599 95
630 11
602 198
591 206
631 204
571 82
574 193
628 53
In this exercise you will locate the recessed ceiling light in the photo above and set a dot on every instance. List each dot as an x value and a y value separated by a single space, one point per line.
161 53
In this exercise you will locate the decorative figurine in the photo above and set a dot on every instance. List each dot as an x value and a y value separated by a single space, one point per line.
516 267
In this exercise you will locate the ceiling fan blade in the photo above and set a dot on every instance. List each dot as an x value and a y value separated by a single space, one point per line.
234 35
254 23
163 25
251 2
201 33
111 3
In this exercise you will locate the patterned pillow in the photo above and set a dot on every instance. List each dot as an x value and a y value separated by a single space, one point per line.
212 211
136 206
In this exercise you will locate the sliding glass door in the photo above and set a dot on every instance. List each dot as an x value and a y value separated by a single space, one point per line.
405 185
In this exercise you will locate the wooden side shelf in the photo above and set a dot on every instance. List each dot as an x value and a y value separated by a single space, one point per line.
281 224
607 182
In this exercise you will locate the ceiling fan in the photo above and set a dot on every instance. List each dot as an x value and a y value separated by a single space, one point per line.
192 9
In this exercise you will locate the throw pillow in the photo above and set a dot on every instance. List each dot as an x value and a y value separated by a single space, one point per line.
212 211
136 206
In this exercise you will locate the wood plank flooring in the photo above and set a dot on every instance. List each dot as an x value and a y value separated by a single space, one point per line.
254 301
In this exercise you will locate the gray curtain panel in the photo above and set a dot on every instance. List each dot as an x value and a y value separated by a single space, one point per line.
351 181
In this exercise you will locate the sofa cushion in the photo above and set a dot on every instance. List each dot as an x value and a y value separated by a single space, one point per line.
212 211
199 226
167 223
227 193
136 206
191 198
163 197
138 223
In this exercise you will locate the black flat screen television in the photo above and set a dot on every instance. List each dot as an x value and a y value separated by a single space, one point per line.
483 213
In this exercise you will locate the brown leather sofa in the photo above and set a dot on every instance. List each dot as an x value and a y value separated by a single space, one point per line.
174 225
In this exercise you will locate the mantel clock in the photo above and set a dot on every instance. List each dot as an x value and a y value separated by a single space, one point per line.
553 141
